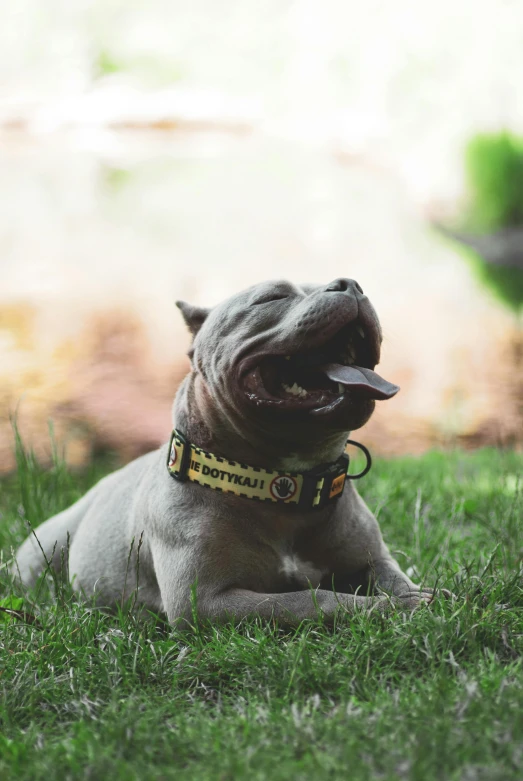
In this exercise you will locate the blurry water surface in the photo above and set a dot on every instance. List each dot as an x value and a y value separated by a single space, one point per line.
100 234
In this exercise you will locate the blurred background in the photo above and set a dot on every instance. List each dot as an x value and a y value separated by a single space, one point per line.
158 150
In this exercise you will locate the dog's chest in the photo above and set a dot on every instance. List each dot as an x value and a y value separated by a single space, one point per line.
302 573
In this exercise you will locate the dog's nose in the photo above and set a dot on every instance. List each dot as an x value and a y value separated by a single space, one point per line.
343 285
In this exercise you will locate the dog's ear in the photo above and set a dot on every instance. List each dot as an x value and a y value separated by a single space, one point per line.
194 316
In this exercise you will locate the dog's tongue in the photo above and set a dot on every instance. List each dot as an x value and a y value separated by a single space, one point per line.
363 380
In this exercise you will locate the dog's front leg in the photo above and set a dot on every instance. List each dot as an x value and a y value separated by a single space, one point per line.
186 592
189 588
292 607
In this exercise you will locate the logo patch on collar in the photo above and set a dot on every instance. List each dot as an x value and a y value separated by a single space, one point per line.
283 487
338 484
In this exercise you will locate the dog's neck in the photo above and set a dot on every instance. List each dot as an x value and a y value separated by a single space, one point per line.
207 426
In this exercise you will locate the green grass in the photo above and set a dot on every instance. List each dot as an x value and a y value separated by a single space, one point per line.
435 695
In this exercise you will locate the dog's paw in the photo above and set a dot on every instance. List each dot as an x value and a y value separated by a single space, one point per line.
412 600
407 602
438 593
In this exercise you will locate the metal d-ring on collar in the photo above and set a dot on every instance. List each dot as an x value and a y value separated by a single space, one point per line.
367 456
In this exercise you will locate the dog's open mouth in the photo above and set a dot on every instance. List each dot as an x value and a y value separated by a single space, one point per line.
322 379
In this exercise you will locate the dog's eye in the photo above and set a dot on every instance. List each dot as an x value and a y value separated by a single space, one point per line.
268 299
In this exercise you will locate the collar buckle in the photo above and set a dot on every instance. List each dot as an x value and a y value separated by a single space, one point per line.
178 456
334 477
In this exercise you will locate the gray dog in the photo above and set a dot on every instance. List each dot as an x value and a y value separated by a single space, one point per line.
248 510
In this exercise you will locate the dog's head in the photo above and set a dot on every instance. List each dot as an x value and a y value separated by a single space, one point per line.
295 358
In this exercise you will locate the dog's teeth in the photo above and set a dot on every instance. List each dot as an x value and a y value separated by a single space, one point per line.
361 332
295 389
341 389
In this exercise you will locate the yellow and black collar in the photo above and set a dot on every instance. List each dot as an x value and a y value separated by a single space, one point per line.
312 489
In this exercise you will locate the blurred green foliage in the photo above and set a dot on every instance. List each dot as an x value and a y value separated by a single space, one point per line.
148 70
504 282
115 178
494 176
104 64
494 173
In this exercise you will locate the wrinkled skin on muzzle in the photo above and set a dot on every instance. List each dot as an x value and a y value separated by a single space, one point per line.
280 371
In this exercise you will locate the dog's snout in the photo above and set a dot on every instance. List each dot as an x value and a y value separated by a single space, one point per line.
343 285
